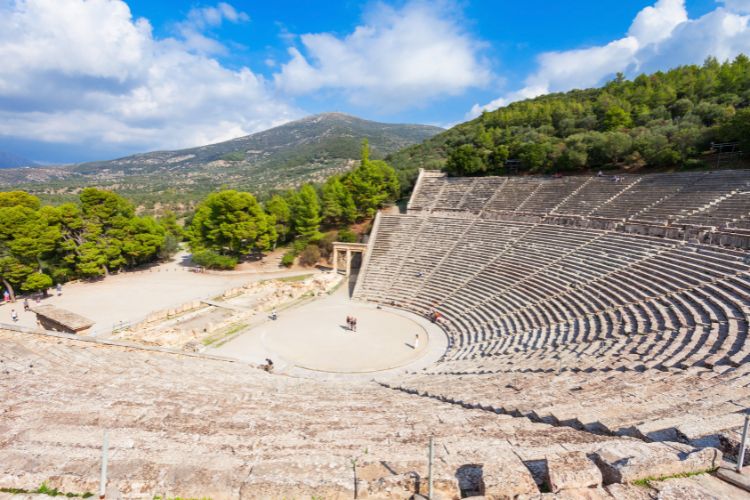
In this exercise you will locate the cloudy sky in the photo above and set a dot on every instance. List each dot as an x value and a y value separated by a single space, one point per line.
96 79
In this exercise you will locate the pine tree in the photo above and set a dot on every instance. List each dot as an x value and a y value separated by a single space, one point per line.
306 213
338 204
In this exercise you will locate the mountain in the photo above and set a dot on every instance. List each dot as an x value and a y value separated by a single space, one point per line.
10 160
309 149
666 121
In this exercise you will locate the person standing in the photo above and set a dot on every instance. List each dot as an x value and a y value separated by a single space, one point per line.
59 289
26 304
14 315
354 324
416 341
6 296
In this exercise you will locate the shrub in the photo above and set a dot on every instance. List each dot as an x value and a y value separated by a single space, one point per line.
310 256
287 260
36 282
346 235
299 245
213 260
326 244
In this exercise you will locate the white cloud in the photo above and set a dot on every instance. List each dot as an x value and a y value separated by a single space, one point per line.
79 71
656 23
741 6
397 58
200 19
660 37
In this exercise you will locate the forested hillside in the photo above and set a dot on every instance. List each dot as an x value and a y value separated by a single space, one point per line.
667 119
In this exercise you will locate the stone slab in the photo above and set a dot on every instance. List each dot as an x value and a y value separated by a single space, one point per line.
728 473
507 478
628 461
572 471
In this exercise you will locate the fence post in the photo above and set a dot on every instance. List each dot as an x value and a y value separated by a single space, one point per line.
429 469
103 478
743 443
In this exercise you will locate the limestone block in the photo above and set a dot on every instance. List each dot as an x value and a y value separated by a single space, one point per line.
582 494
628 461
624 492
507 477
703 487
400 486
573 470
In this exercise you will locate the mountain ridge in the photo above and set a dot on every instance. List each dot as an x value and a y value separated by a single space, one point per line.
12 160
304 150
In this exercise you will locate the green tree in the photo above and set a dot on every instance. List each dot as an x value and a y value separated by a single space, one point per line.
738 128
465 160
36 282
371 184
616 118
19 199
306 213
26 240
145 240
278 208
169 222
338 204
231 223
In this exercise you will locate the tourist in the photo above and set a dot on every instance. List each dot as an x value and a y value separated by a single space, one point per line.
274 315
6 296
416 341
268 366
354 324
59 289
14 315
349 323
26 304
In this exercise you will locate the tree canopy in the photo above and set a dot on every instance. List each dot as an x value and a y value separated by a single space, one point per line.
665 119
233 224
41 245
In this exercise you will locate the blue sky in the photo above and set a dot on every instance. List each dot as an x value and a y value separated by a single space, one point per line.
95 79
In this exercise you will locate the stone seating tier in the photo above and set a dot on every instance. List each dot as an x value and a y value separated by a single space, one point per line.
717 199
192 427
524 300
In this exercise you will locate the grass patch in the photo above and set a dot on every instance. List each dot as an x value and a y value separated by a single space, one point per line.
45 490
294 279
289 279
646 481
223 334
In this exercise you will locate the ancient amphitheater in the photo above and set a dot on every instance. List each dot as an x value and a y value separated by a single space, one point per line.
596 332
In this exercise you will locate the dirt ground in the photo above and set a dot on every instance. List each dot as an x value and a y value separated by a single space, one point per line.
131 296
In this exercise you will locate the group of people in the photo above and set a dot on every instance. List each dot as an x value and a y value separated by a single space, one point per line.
26 305
615 178
351 322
